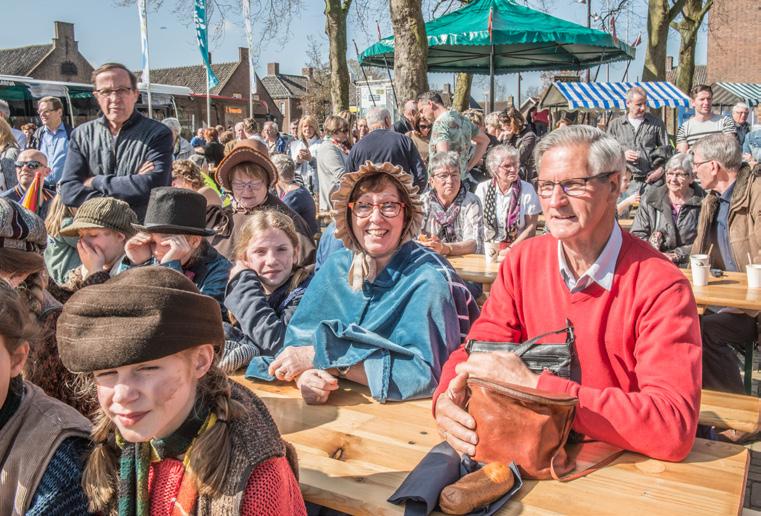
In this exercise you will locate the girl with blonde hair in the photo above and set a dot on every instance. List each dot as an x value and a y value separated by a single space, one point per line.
303 151
266 285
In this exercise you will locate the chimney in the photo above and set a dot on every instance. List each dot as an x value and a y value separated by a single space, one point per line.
510 101
273 68
243 55
64 35
669 63
307 71
447 90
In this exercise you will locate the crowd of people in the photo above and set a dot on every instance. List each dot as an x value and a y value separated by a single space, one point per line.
151 267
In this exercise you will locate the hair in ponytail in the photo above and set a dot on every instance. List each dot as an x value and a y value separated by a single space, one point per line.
211 455
101 473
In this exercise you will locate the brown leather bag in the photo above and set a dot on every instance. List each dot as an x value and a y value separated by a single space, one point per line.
524 425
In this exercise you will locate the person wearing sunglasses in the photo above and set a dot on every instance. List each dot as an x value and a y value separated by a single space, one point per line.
28 164
637 333
421 136
383 311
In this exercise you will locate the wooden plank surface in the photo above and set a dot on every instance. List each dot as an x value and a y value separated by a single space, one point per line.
626 224
724 410
354 452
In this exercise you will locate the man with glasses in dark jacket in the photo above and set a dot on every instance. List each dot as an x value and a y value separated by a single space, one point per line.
122 154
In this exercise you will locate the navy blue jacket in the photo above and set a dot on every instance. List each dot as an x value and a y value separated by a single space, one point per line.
114 161
385 145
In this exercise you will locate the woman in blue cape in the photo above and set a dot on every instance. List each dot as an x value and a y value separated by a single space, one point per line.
384 311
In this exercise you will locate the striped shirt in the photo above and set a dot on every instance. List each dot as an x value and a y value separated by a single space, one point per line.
693 130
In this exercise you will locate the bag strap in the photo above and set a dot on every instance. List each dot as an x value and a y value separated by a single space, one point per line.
578 473
523 348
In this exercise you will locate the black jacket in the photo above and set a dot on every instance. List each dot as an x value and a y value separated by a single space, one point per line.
114 162
654 214
385 145
261 319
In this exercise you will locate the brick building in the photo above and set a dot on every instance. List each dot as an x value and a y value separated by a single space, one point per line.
230 102
734 41
287 91
56 61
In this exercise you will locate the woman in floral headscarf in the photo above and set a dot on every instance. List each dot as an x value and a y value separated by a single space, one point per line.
453 223
511 206
361 316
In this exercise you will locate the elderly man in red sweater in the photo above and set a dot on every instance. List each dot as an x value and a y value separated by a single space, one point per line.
636 323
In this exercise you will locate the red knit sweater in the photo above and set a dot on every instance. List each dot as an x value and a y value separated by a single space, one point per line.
638 345
272 489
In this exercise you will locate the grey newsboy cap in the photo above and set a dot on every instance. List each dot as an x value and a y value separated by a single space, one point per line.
103 213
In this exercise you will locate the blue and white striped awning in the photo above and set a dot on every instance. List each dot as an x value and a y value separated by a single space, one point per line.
611 95
728 93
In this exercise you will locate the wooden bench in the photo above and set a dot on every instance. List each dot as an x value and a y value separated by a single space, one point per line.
734 411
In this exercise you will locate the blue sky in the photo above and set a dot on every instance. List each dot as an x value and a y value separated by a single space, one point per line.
108 32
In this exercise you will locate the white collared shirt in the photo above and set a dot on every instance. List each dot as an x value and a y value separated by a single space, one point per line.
600 272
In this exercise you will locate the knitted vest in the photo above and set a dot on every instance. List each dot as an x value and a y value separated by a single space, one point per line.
255 438
28 442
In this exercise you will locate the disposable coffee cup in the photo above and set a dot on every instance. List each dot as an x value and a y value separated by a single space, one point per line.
700 259
754 275
700 274
491 251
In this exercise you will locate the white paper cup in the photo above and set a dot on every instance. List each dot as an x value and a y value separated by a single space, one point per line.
754 275
702 260
491 251
700 274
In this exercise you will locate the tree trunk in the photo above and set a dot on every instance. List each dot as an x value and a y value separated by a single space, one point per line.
660 16
410 49
461 100
693 13
336 12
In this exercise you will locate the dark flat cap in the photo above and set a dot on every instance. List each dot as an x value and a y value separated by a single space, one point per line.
143 314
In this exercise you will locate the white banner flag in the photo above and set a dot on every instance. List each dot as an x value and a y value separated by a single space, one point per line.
245 9
146 62
142 12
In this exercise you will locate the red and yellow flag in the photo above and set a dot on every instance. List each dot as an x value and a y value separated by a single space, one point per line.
33 197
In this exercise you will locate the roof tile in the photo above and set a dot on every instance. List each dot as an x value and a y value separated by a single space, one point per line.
21 60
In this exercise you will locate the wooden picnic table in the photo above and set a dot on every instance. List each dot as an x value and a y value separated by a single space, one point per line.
626 224
730 290
355 452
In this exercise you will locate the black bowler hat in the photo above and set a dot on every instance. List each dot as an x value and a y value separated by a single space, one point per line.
175 211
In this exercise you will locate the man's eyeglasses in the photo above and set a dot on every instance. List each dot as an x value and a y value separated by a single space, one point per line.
119 92
697 164
389 209
575 187
238 185
31 164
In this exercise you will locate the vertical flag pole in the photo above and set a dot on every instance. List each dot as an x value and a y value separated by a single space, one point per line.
146 78
491 61
246 10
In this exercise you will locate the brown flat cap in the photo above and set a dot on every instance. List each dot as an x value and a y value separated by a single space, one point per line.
143 314
246 151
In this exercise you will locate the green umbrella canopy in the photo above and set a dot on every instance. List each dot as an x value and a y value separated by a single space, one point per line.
524 40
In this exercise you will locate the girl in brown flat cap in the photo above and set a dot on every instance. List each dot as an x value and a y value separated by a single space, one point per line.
172 435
